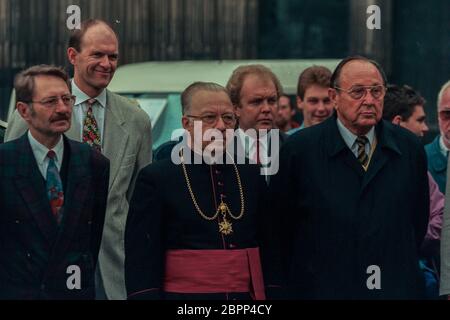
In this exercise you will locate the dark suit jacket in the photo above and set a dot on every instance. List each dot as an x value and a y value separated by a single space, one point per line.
437 163
335 220
34 251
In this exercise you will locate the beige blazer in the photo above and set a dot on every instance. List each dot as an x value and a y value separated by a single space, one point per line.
127 143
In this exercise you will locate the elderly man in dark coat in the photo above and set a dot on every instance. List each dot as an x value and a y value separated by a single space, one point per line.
357 207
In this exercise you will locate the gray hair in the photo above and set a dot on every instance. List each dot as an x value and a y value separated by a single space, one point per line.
188 93
441 92
24 82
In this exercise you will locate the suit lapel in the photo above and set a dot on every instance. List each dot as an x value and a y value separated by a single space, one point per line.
337 147
29 182
385 149
115 136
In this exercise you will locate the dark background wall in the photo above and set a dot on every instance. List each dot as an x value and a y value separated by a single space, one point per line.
34 31
413 44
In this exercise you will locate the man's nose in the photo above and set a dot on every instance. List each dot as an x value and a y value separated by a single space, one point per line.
61 107
368 98
104 62
220 124
266 107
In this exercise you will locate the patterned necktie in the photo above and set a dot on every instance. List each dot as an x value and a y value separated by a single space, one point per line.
363 158
91 134
54 186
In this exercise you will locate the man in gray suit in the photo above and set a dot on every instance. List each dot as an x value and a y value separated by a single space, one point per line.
111 124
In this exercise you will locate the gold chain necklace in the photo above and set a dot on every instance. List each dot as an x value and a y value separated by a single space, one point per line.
225 227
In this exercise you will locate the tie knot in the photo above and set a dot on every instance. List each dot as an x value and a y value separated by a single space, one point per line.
51 154
362 141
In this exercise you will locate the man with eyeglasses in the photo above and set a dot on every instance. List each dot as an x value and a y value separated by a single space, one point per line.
53 194
193 227
111 124
357 208
437 150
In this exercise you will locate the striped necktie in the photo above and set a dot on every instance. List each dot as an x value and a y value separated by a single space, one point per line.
54 187
91 134
363 158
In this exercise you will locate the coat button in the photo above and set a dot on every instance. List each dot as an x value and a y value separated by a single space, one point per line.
89 222
28 255
17 221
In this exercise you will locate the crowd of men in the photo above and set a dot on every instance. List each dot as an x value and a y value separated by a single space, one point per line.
347 204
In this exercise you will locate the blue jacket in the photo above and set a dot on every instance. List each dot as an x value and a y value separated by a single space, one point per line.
437 163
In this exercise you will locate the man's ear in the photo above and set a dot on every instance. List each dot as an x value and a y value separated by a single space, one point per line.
185 121
24 110
299 103
397 119
71 55
237 111
332 94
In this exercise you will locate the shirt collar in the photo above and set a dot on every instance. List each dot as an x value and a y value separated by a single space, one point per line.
82 97
442 146
40 151
350 138
251 140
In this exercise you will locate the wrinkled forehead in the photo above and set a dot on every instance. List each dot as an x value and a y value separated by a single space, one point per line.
211 101
360 72
48 85
99 35
444 103
258 84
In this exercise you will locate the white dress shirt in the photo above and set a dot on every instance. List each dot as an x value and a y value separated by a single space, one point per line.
40 154
80 109
251 148
350 138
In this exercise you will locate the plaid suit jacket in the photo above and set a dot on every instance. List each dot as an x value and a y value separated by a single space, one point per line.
38 258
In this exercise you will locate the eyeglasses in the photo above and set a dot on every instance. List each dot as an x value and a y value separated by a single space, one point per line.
359 92
52 102
444 114
211 119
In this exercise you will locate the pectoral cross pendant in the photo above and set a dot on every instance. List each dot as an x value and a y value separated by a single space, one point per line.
225 227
